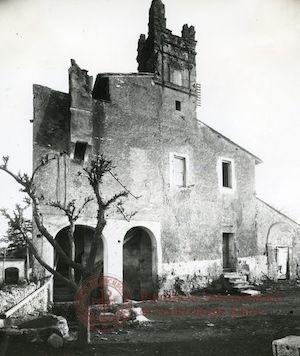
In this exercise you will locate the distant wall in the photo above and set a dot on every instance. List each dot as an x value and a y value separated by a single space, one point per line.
16 263
274 230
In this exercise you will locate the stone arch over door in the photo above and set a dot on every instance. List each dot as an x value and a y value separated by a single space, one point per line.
140 263
83 238
280 252
11 275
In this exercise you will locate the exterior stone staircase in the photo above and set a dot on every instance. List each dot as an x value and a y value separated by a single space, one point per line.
237 282
61 293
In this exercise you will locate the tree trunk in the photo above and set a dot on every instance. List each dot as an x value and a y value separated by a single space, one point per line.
71 232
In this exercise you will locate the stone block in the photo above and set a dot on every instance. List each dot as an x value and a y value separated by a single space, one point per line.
287 346
55 341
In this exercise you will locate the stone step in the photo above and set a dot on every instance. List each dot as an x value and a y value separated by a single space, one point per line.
232 275
63 298
240 288
242 283
238 280
251 292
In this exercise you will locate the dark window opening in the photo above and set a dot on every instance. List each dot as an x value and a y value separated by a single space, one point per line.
178 105
101 89
11 275
227 174
80 148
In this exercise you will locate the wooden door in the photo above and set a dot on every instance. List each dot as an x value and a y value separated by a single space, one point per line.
228 252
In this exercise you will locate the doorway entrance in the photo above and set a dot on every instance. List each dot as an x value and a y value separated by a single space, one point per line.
83 238
139 264
11 275
228 252
282 258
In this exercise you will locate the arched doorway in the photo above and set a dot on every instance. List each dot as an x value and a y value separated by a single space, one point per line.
11 275
83 238
140 264
280 250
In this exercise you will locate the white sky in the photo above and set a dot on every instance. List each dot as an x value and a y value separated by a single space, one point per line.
248 64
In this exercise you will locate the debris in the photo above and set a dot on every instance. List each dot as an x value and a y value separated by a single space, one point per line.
136 311
251 292
123 314
138 317
288 345
73 335
131 301
55 341
141 319
48 323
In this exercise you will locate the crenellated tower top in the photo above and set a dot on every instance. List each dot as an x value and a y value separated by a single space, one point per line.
171 58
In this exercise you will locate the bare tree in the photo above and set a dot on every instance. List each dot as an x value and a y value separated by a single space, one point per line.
17 246
94 173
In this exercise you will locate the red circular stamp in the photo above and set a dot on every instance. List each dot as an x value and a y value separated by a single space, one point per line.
99 303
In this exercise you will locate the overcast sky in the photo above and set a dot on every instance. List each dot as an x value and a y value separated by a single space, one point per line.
248 64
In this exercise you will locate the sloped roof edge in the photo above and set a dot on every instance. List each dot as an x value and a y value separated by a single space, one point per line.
257 159
277 211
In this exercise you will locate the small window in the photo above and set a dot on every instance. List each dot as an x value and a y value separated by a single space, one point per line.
80 148
227 174
179 171
178 105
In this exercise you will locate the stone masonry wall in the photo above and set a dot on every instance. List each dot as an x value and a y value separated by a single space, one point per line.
275 229
140 130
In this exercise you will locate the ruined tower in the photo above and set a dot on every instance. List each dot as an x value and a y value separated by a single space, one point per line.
195 213
171 58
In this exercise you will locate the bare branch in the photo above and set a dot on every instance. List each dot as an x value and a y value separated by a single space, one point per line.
29 189
44 160
17 222
115 198
5 160
122 212
122 185
80 210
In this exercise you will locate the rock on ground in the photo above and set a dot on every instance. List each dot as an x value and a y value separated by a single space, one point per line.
55 341
49 320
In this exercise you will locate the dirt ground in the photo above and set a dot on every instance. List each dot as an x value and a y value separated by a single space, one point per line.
200 325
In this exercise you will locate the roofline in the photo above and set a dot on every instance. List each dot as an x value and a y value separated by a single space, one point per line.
132 74
277 211
257 159
46 87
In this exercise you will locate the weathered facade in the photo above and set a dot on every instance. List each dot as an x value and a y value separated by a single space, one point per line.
197 214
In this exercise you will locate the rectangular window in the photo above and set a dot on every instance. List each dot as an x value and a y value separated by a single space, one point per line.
179 171
177 77
227 174
178 105
80 148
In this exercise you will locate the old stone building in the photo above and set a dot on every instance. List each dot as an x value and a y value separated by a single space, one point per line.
197 214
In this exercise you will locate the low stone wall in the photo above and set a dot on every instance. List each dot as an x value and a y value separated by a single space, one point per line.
257 265
14 294
36 305
186 277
